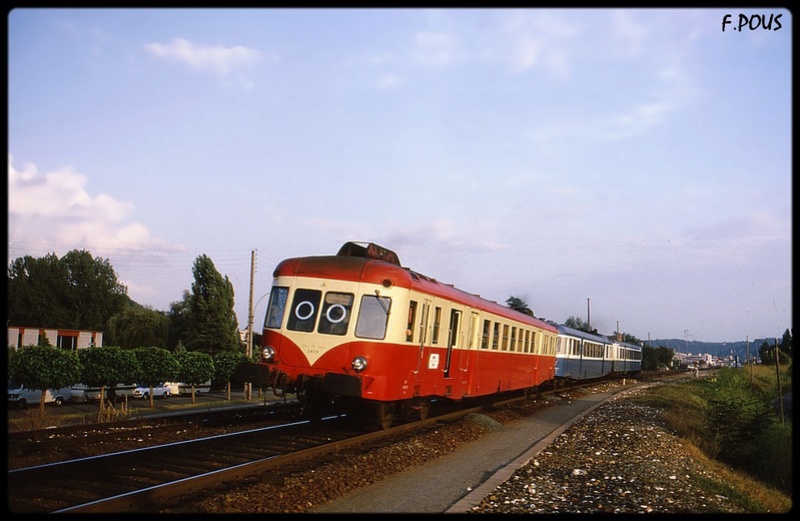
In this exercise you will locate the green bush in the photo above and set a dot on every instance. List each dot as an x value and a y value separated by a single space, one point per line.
736 416
772 456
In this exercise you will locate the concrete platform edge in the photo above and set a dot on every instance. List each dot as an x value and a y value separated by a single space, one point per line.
474 497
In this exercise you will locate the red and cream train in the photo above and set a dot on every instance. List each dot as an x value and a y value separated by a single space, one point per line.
358 328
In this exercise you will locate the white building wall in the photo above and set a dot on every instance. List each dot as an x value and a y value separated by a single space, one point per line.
51 335
85 339
13 336
30 336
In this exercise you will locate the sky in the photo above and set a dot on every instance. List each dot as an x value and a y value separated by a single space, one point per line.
629 167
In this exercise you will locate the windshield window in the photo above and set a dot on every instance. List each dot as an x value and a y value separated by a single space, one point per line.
277 305
373 316
335 316
305 308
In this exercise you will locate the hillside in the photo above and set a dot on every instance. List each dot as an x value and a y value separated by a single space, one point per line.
720 349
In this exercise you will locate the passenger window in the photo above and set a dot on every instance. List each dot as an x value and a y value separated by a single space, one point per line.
304 310
373 315
335 315
412 316
437 319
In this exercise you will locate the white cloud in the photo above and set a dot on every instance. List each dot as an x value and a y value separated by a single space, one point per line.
538 39
627 33
436 48
55 212
218 60
387 81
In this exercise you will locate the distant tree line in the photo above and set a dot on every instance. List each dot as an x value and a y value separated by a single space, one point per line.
78 291
783 350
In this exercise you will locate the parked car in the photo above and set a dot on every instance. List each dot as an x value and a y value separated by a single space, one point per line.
159 391
183 388
21 396
83 393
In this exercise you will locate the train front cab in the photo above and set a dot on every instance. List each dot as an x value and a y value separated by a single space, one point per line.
402 339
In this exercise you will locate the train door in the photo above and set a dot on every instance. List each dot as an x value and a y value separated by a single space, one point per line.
473 340
423 333
452 339
410 326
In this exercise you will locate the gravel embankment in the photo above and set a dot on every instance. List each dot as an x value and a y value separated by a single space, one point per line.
619 459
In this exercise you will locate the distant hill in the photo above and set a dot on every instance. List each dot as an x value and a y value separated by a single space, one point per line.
720 349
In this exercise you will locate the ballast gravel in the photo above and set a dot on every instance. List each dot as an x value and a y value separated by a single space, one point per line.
619 459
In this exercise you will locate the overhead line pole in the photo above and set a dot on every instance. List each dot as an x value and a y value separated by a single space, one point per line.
248 385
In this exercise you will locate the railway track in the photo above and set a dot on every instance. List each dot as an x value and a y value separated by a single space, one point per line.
131 480
31 448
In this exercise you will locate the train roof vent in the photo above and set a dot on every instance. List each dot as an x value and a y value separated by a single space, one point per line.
369 250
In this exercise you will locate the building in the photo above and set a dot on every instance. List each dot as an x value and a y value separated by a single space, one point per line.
72 339
703 360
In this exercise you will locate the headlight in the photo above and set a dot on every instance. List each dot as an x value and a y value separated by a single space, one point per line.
359 364
268 354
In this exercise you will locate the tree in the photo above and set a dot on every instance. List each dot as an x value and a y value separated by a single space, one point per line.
157 366
766 353
655 358
35 292
44 367
195 368
179 320
137 326
213 324
93 290
73 292
106 367
786 344
631 339
578 323
225 364
519 305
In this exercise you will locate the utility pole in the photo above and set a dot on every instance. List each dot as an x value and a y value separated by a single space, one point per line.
778 378
686 340
248 385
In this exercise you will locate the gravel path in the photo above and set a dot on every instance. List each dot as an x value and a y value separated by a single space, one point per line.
619 459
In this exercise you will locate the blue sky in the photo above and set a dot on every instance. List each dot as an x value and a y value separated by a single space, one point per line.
629 165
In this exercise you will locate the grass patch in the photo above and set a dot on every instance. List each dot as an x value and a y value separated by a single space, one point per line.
36 419
730 426
747 492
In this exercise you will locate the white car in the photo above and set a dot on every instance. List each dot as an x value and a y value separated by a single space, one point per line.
183 388
21 396
159 391
83 393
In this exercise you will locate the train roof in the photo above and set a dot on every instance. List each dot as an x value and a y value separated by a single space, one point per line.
636 347
566 330
372 263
